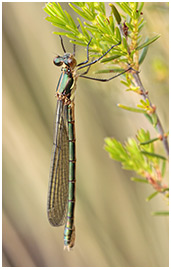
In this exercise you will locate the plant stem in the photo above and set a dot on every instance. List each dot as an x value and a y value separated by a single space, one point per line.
158 125
144 93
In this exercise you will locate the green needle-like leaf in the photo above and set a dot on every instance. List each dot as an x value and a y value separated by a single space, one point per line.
108 59
108 71
139 180
71 21
115 13
151 196
149 141
125 7
154 118
147 43
149 118
79 4
140 6
85 14
143 53
163 168
125 43
118 34
160 213
153 155
132 109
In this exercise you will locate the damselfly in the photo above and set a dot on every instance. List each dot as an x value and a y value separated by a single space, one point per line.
61 197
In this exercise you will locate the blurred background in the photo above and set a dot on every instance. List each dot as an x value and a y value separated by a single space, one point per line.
114 226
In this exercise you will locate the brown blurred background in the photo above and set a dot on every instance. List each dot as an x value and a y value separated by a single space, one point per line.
114 226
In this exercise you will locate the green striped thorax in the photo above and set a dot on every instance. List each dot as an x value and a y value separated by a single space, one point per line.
66 80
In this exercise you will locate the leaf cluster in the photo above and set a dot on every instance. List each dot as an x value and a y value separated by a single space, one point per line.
135 155
138 155
106 31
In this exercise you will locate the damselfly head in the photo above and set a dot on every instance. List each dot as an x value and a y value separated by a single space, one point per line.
68 59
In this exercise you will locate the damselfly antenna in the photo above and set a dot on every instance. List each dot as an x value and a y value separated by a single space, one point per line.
62 44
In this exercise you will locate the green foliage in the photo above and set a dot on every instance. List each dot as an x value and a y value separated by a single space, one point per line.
132 109
150 141
161 213
136 179
151 196
116 13
139 156
106 31
129 154
148 42
143 53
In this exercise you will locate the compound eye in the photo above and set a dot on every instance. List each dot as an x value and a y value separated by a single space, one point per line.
58 61
72 62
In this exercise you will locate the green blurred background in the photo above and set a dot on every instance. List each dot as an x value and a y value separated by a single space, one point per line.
113 222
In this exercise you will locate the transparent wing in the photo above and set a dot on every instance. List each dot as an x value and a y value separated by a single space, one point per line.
58 185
